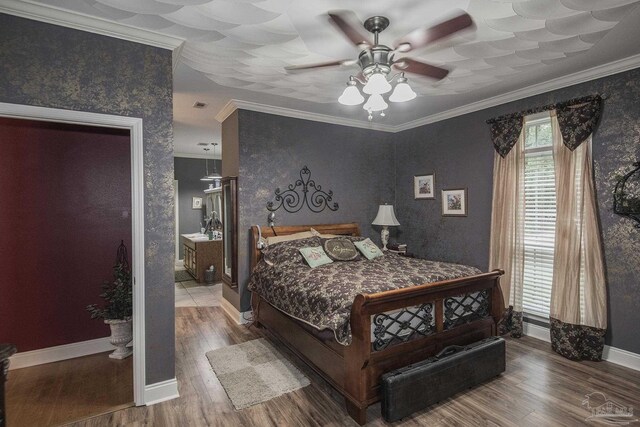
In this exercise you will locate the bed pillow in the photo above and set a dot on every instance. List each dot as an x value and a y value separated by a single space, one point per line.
340 249
288 252
315 256
368 248
295 236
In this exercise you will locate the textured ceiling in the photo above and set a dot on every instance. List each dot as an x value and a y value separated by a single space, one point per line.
242 46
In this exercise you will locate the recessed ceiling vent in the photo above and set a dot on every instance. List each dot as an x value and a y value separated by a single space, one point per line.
200 104
203 144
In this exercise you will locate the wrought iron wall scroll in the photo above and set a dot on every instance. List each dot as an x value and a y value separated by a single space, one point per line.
303 192
624 203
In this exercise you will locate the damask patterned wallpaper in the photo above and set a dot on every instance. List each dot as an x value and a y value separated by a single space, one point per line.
460 152
52 66
356 164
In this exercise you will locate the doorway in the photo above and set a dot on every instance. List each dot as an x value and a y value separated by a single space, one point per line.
134 127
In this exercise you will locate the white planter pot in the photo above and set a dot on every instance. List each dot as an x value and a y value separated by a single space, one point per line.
121 335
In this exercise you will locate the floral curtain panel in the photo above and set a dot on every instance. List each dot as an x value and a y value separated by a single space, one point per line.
578 290
507 232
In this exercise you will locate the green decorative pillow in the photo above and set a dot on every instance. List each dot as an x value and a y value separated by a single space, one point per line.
315 256
368 248
340 249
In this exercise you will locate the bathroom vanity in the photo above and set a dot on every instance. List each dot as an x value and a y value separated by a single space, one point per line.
200 253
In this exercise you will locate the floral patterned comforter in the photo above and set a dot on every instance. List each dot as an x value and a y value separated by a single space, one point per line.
322 296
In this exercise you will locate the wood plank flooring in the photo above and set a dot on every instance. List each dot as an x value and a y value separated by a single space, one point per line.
61 392
538 389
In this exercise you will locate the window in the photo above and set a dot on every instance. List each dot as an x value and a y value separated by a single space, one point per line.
539 216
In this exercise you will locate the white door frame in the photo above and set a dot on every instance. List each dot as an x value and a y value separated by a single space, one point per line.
176 192
134 125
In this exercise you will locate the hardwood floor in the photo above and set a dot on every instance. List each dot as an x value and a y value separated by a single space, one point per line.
538 389
61 392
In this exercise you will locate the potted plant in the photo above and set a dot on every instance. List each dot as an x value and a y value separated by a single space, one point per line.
118 307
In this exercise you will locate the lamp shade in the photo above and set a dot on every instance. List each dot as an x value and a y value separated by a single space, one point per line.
351 96
377 84
385 216
402 93
375 103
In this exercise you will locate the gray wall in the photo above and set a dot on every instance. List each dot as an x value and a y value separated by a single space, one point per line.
188 173
459 151
51 66
357 164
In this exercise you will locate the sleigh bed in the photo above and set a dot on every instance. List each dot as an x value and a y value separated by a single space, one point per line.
381 331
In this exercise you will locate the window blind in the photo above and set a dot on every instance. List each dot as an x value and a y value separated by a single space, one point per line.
539 218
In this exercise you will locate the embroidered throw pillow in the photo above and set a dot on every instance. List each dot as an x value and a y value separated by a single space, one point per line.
315 256
288 252
368 249
340 249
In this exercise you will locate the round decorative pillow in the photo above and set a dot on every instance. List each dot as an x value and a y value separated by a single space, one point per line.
340 249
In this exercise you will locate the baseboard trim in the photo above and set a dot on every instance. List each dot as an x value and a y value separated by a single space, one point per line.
161 392
58 353
240 318
610 354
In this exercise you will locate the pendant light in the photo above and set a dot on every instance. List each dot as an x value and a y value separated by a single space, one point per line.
206 176
214 175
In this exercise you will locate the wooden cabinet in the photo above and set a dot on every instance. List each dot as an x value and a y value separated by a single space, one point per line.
200 254
230 230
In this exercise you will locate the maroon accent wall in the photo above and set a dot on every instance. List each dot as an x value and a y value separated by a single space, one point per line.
65 204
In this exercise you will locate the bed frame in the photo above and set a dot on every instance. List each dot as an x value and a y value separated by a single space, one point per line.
355 370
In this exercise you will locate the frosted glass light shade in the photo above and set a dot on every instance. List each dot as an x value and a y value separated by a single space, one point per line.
402 92
386 216
375 103
377 84
351 96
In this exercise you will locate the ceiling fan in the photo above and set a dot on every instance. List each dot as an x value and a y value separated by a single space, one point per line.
377 60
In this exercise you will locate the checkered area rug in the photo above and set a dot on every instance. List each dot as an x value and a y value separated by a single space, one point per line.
254 372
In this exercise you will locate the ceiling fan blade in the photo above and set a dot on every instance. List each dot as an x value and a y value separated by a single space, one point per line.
344 62
424 36
412 66
347 22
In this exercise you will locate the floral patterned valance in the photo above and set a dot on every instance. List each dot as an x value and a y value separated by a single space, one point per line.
577 119
505 133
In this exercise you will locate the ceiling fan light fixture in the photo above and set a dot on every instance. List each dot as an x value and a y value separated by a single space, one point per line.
377 84
351 94
402 92
375 103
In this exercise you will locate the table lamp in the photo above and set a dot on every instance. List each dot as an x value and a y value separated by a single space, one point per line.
386 218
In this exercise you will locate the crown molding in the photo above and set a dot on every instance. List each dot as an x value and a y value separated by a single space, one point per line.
80 21
237 104
594 73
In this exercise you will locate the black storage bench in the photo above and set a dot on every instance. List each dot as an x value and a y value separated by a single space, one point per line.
456 368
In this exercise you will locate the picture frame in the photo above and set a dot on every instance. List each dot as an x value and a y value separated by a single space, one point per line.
454 202
196 203
424 186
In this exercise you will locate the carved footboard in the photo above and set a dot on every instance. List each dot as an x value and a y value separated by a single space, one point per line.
396 328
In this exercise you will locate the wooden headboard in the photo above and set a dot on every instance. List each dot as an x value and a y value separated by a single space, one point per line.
346 229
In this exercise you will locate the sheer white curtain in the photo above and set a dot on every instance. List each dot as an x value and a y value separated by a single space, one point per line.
507 231
578 293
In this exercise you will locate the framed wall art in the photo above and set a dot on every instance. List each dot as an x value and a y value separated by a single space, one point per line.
196 203
454 202
424 186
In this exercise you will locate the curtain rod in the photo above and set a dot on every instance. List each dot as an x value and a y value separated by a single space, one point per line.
557 105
